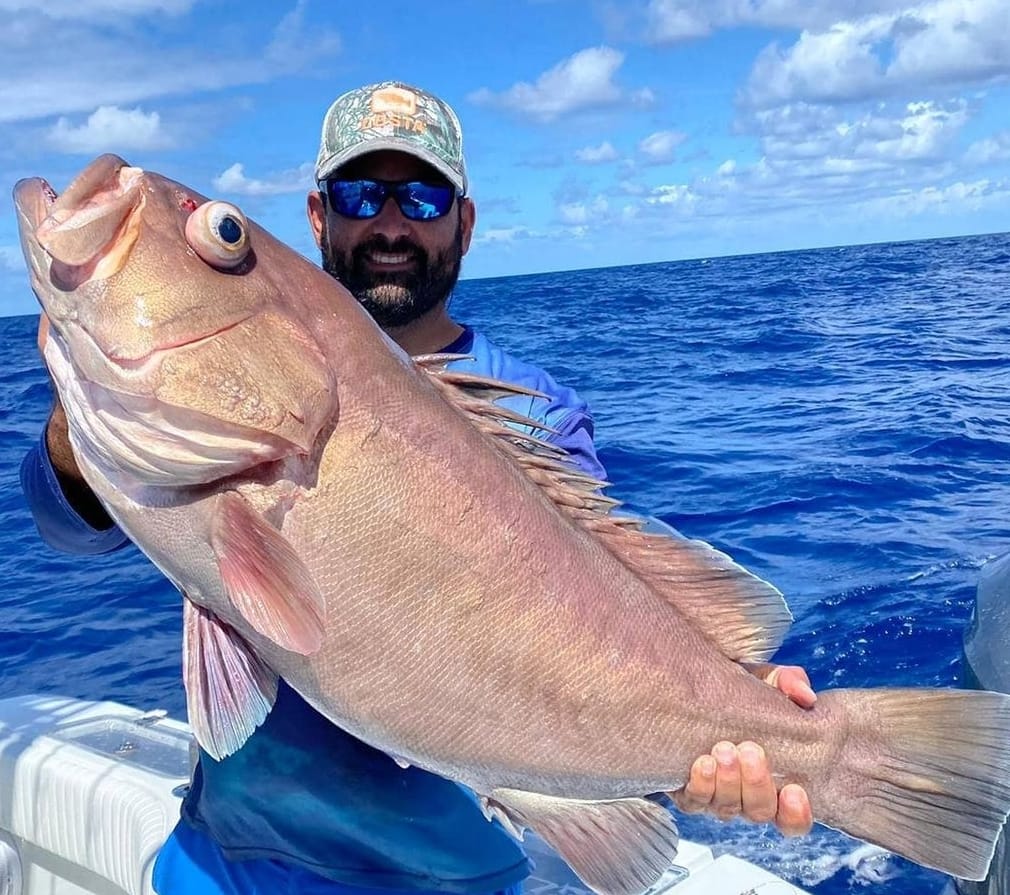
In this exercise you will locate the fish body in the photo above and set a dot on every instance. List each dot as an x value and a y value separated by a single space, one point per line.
426 572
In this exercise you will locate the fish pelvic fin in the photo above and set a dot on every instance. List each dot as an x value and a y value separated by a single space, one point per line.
264 578
229 690
924 773
743 615
619 847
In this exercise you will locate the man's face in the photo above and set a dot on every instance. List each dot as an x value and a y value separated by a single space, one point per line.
397 268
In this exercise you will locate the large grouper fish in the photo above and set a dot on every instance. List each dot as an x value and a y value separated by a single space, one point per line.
429 574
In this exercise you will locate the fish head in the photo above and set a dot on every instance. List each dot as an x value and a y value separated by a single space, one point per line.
185 341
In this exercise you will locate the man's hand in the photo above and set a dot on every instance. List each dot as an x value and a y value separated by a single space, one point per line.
736 780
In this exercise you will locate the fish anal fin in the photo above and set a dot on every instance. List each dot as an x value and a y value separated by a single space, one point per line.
229 690
745 617
619 847
264 577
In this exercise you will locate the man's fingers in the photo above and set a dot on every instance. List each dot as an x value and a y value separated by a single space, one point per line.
795 817
737 781
758 794
726 802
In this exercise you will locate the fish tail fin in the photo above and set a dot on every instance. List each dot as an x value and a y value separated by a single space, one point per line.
925 773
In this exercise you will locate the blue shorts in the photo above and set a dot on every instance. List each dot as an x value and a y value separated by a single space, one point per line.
191 863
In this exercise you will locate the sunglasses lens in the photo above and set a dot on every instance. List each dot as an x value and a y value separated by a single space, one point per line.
356 198
417 200
424 201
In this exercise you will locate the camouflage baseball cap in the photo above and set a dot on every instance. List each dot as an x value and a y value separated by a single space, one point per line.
392 115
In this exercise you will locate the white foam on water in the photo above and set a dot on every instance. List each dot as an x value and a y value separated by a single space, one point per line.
806 861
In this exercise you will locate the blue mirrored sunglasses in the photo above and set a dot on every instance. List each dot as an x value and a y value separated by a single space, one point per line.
416 199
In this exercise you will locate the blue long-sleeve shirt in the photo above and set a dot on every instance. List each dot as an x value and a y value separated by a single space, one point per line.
303 791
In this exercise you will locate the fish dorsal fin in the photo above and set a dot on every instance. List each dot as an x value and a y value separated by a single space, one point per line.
743 615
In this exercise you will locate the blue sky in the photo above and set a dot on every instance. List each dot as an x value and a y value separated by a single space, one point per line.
597 133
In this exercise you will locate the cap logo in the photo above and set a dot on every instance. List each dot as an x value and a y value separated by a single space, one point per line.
394 107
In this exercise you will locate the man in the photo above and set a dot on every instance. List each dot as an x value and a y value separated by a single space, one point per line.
302 806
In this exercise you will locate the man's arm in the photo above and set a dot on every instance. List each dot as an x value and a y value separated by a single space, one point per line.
67 516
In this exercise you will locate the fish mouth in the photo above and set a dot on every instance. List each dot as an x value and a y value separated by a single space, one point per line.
85 232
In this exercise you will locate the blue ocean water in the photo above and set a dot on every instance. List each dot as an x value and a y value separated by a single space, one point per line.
836 420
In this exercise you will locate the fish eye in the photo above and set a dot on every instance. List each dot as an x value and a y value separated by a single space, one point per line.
219 233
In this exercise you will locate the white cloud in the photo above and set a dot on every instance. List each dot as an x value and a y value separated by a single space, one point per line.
661 146
943 43
499 204
675 21
504 235
582 81
109 128
92 9
954 41
925 131
291 37
596 155
642 97
680 195
115 62
889 163
991 149
917 132
838 64
632 188
672 22
233 180
954 198
576 214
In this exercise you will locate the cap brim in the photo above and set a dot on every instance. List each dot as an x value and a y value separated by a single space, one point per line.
375 144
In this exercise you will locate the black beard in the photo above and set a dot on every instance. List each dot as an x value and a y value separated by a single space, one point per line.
400 297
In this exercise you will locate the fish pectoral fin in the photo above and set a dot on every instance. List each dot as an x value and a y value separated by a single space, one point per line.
264 578
229 690
619 847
